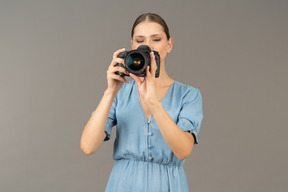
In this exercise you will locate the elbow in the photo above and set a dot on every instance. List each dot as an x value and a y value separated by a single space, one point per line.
183 157
186 147
185 154
85 150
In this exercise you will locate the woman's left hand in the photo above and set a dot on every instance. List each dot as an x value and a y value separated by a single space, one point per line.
147 87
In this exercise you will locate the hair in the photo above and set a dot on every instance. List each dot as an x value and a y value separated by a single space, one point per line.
154 18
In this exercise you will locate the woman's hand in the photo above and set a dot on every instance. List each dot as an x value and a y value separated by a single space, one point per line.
115 81
147 87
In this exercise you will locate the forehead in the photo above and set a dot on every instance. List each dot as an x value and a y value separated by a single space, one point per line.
148 28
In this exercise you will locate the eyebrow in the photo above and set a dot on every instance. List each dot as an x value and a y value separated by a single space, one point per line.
150 35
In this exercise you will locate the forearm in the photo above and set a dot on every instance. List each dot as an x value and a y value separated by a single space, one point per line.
93 134
176 138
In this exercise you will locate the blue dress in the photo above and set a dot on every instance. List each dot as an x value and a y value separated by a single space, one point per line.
144 161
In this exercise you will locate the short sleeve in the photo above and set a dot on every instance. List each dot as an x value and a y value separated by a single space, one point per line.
111 120
191 113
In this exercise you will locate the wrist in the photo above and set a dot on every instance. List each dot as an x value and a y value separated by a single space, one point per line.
154 105
110 93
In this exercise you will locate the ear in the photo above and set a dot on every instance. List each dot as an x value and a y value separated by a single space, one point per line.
170 45
131 44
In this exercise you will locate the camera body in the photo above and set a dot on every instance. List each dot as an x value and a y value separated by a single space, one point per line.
136 61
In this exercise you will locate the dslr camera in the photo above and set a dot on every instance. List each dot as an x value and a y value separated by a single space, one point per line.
136 61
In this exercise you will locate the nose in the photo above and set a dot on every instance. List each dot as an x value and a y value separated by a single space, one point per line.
149 44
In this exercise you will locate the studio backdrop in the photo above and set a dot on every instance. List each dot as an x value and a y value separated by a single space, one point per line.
53 61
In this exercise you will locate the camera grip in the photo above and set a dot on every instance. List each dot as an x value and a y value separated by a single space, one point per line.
157 59
121 55
118 72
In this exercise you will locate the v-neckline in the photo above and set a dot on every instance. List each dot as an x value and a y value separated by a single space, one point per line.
139 101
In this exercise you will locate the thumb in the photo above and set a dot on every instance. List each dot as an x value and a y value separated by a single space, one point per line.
136 78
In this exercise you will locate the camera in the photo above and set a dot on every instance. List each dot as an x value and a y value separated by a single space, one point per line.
136 61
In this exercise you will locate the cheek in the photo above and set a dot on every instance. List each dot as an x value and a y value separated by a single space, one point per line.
159 48
134 46
163 52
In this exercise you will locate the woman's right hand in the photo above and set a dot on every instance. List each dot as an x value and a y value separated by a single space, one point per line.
115 81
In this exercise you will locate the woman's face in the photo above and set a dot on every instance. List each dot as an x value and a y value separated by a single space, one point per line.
152 34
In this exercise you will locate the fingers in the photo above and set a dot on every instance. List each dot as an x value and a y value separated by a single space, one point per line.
114 68
118 68
148 73
115 61
116 77
153 67
136 78
116 53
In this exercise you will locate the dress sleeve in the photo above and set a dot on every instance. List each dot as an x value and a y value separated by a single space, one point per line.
191 113
111 120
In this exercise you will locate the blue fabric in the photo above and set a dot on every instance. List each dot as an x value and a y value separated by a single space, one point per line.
144 161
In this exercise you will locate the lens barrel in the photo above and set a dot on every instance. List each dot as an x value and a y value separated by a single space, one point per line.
136 61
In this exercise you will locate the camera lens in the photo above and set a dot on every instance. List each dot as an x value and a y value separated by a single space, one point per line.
135 61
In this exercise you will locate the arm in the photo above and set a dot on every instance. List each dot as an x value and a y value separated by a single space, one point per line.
94 132
180 142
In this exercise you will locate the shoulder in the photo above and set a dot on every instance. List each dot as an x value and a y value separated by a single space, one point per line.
189 96
185 89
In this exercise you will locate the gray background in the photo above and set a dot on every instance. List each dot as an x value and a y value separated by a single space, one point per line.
53 61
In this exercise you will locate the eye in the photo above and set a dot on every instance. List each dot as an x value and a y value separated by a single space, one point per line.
157 40
139 41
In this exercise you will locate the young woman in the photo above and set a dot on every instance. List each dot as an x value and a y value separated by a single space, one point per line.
158 119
